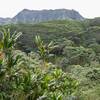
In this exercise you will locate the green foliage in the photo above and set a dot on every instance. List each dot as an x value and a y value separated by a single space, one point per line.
20 79
79 55
43 49
25 76
8 41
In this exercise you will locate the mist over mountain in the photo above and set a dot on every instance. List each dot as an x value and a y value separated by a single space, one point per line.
36 16
5 20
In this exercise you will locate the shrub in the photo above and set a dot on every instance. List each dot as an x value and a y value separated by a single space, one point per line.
20 80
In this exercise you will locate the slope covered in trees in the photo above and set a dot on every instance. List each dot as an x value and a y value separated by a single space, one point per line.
61 61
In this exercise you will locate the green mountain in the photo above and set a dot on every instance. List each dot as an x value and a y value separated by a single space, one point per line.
66 69
80 32
36 16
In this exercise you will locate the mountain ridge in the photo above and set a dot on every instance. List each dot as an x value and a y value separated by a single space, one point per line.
36 16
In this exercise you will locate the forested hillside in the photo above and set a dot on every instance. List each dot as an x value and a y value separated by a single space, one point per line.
53 60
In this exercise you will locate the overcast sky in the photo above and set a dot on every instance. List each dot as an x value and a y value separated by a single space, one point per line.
87 8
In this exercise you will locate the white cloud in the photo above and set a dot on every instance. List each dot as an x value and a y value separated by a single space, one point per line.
88 8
